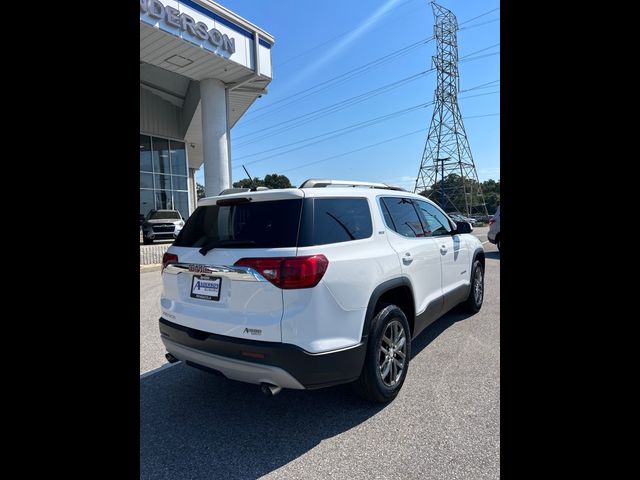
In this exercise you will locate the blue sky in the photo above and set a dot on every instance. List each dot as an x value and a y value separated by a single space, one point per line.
317 41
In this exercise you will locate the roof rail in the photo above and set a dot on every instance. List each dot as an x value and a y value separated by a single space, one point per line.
318 183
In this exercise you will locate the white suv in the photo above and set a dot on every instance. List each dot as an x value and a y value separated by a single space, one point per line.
315 286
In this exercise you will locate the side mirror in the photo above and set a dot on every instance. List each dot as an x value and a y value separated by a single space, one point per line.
463 227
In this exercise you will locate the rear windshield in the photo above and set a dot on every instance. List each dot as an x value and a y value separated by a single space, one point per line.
271 224
164 215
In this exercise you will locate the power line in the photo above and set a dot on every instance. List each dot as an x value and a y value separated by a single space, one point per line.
314 115
481 50
481 23
481 15
331 134
371 64
340 105
421 130
480 116
478 57
332 82
338 132
371 145
484 85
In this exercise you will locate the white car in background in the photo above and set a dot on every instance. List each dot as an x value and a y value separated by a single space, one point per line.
494 229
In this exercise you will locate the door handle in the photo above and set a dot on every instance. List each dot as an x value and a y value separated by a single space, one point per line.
443 249
407 259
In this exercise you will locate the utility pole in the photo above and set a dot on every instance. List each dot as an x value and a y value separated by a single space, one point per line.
447 145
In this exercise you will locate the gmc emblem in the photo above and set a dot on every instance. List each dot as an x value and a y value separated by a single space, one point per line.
198 269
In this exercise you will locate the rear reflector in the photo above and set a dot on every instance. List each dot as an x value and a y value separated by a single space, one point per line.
289 272
252 354
168 258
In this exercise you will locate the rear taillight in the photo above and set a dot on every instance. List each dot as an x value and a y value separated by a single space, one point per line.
168 258
289 272
492 221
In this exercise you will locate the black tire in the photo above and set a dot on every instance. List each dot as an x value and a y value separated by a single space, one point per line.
147 241
371 385
473 303
498 242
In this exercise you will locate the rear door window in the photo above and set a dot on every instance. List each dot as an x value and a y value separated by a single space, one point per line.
269 224
335 220
401 216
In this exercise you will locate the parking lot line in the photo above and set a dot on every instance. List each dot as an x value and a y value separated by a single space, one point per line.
157 370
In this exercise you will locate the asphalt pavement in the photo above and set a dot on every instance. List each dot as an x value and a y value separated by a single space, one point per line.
444 424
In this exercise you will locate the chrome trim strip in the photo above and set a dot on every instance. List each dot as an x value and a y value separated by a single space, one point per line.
242 274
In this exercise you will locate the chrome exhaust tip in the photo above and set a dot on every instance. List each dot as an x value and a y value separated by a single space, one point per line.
170 358
270 390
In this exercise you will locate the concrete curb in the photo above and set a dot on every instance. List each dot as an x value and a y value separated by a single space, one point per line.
150 268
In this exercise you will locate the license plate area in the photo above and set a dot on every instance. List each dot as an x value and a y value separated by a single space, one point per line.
206 287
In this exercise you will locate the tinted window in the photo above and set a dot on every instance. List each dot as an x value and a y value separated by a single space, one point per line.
270 224
338 220
164 215
403 216
434 219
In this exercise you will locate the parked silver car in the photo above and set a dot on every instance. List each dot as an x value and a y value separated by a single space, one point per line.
494 229
161 224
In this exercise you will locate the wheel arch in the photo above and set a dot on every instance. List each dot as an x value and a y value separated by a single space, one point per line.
478 254
396 291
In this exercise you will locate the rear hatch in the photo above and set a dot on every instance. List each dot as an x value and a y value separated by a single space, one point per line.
203 289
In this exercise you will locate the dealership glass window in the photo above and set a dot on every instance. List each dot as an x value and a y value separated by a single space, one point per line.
163 175
160 151
147 201
181 202
178 158
179 183
164 200
145 153
163 182
146 180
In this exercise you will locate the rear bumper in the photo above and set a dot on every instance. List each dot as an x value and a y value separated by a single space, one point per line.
281 364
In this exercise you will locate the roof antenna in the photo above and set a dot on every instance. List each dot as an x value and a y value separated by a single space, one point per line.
254 186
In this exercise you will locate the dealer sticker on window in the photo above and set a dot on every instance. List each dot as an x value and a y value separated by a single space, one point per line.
205 287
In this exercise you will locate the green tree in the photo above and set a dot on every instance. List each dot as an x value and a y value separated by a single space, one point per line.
200 191
248 183
277 181
270 181
454 197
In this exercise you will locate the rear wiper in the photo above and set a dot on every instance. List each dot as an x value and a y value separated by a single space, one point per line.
351 236
225 243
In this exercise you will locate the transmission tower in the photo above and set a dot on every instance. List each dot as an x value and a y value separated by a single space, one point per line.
447 173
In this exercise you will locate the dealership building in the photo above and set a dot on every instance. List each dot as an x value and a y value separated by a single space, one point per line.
201 68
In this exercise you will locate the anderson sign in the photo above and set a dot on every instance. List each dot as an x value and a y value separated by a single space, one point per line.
173 18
